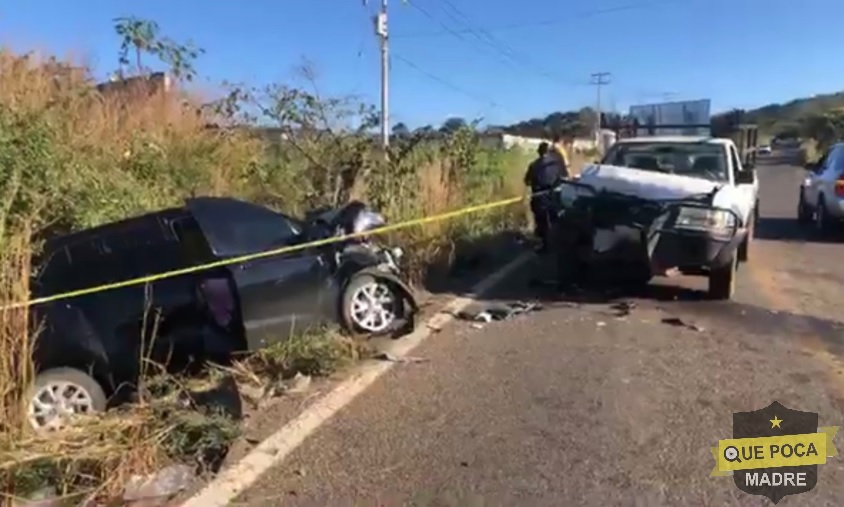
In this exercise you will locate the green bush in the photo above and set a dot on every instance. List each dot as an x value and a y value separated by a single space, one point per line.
72 158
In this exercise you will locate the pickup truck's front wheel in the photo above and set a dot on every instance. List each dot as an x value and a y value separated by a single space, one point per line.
722 280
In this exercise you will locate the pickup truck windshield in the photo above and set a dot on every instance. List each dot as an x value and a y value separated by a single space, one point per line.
698 160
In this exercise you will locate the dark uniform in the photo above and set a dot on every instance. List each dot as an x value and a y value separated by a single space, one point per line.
543 174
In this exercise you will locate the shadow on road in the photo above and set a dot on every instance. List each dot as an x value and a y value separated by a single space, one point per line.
534 283
457 271
787 229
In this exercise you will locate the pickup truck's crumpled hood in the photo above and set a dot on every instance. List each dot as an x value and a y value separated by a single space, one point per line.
661 186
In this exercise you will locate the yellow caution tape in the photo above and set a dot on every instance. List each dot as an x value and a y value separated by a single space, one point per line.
269 253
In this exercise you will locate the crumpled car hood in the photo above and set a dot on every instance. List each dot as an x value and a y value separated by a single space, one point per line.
662 186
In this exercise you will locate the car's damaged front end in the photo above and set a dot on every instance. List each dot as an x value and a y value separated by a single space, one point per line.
641 237
360 258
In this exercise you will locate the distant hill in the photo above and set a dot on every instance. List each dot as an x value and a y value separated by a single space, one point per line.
773 119
785 118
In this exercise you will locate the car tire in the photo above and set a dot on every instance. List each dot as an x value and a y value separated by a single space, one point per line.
60 386
822 223
744 248
355 311
804 212
722 280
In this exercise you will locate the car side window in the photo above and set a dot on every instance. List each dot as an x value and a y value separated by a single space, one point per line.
193 245
238 227
68 267
263 232
51 269
835 162
823 162
132 236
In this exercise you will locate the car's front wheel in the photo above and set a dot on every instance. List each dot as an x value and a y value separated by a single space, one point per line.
58 394
744 248
372 305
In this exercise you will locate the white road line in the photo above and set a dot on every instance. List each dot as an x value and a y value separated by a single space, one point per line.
272 451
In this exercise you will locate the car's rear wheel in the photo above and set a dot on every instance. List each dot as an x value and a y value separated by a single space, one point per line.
804 212
58 394
722 280
372 305
822 222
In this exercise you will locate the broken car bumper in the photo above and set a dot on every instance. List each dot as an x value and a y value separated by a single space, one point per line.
692 250
694 236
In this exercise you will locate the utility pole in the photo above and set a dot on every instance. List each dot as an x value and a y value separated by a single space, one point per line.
599 79
381 32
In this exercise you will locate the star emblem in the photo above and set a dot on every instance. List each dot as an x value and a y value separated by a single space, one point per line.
775 422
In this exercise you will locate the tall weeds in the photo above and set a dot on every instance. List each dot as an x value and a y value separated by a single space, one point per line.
72 158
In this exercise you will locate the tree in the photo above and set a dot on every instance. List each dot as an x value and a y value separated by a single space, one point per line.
400 130
142 36
452 125
826 128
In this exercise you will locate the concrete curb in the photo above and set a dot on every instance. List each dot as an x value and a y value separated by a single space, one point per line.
275 449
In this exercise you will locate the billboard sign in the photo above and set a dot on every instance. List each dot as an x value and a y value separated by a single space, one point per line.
692 112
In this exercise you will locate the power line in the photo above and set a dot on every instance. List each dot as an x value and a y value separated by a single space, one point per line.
534 24
506 50
447 84
448 30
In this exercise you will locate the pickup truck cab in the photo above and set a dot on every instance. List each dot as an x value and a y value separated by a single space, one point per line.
664 203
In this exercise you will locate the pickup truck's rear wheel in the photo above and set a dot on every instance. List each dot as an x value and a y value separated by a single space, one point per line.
722 280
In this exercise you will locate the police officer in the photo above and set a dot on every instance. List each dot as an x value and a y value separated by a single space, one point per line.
542 175
559 151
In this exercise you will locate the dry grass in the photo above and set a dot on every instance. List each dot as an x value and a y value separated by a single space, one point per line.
71 158
809 151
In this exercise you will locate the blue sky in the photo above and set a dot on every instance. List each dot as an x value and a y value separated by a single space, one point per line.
500 60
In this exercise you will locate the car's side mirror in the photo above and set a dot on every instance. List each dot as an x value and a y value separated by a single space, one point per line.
748 176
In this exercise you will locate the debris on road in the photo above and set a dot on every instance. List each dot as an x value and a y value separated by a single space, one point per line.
299 383
163 484
623 308
488 312
258 396
386 356
678 322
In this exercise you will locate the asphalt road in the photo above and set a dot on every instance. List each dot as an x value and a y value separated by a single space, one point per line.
573 405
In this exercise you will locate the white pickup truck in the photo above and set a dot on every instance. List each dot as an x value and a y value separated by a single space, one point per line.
656 204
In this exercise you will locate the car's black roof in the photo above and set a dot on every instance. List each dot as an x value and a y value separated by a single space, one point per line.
92 232
221 203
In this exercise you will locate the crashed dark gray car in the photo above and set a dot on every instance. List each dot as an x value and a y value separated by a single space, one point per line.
89 347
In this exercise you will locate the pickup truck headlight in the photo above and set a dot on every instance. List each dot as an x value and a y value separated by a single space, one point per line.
715 221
